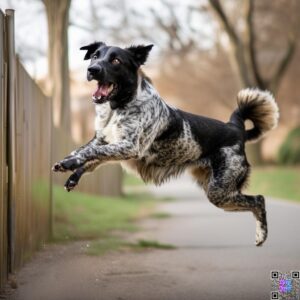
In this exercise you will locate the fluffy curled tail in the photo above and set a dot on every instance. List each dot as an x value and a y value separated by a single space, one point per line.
259 107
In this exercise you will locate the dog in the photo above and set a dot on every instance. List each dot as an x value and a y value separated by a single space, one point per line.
134 126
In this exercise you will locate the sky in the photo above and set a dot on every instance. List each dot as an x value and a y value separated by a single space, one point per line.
31 28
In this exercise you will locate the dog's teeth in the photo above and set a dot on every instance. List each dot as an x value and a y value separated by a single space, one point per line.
110 88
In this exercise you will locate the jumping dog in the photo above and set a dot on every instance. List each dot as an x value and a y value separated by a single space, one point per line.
134 126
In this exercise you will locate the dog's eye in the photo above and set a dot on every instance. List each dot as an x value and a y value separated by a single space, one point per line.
115 61
95 57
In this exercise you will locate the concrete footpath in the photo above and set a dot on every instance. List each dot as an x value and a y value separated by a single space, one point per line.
215 257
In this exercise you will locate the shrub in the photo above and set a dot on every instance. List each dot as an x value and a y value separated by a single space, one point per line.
289 152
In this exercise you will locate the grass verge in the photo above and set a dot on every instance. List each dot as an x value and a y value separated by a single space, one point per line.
131 180
279 182
103 246
82 216
160 215
79 216
142 244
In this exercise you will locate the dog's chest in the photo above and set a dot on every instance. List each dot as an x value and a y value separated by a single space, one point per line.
112 132
108 123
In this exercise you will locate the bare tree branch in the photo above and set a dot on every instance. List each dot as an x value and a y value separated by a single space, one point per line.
216 5
171 30
81 26
236 43
283 64
251 39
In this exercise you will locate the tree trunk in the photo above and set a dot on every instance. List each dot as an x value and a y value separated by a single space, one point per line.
244 52
58 21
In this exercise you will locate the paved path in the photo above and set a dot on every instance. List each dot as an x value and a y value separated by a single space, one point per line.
215 259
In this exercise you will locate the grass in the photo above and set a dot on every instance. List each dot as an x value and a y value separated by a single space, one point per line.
152 244
160 215
103 246
131 180
82 216
279 182
79 216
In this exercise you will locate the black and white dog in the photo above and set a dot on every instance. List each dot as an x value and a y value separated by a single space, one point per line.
136 127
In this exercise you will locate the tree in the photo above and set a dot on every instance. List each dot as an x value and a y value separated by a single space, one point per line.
245 53
58 21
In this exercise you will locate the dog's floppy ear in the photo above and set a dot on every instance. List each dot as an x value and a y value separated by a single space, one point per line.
140 53
91 48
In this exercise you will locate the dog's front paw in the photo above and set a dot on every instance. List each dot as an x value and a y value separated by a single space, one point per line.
58 167
70 184
69 164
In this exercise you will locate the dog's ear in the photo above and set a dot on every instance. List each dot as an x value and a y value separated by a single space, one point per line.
140 53
91 48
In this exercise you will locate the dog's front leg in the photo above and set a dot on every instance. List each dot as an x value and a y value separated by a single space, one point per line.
78 157
74 179
121 151
96 154
115 152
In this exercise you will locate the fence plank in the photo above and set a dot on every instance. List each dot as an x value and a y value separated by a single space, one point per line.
3 166
11 138
33 157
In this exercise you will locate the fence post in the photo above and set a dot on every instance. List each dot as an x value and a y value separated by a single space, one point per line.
3 157
11 147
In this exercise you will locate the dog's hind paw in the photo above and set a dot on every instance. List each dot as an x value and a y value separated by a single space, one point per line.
261 233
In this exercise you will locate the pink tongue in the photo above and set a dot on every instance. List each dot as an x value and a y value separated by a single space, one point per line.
101 91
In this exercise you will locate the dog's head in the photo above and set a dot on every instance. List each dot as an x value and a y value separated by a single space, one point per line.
115 70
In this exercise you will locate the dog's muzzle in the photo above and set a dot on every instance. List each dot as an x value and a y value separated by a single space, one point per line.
94 72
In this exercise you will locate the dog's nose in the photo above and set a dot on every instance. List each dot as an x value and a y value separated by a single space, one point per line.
94 69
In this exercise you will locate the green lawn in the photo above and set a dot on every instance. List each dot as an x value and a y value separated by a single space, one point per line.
102 220
82 216
279 182
132 180
102 246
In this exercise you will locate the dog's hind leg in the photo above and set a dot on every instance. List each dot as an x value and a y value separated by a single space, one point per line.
229 171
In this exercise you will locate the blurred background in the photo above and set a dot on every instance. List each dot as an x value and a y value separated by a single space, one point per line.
205 52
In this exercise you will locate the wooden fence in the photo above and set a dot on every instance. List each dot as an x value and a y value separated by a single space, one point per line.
26 156
25 135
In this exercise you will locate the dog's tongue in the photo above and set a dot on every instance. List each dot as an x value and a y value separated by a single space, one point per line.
102 90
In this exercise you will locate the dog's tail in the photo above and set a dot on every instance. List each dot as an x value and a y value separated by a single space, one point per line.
260 108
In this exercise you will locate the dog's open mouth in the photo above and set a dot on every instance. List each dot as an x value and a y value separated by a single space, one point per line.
104 92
